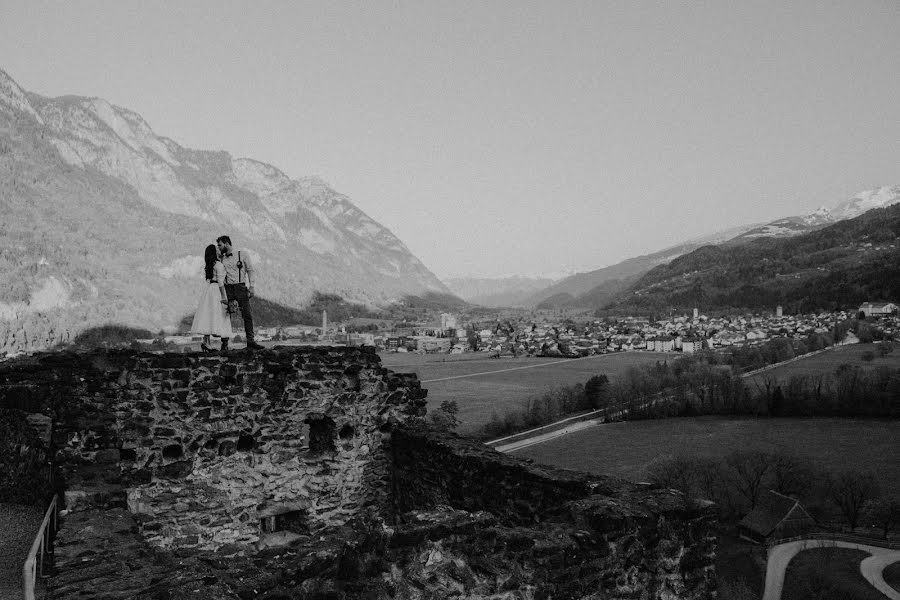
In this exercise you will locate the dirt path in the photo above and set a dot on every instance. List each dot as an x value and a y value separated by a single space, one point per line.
871 568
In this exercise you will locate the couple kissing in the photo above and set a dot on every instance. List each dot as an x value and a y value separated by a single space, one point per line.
229 287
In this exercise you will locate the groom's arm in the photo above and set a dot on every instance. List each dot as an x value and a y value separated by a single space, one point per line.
248 271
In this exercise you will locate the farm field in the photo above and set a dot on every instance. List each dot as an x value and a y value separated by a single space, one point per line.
482 386
627 449
826 363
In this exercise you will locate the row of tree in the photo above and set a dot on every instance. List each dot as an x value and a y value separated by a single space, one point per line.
700 385
549 406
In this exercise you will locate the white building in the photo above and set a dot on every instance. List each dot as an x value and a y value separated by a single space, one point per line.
877 309
427 343
661 344
691 345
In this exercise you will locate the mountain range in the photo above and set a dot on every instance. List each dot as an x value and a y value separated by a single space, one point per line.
105 221
599 287
500 291
838 266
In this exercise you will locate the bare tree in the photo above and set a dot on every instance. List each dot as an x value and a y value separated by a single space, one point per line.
674 472
749 470
791 475
712 483
884 513
851 491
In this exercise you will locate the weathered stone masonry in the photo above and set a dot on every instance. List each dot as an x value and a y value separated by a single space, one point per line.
213 450
564 533
307 473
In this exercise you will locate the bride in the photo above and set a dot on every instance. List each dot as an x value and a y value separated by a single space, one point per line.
211 317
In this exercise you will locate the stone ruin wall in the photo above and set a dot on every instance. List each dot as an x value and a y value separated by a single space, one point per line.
559 533
212 451
306 473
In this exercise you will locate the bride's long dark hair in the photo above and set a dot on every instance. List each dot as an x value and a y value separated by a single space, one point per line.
210 257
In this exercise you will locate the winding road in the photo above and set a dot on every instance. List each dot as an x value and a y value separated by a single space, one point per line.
871 568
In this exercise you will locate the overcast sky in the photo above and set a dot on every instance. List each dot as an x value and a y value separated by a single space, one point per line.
498 137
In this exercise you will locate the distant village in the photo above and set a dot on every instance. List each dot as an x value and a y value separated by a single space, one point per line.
563 337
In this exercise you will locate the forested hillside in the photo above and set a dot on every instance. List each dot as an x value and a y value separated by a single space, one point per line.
839 266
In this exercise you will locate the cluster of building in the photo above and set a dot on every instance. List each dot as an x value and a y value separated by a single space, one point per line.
683 333
522 336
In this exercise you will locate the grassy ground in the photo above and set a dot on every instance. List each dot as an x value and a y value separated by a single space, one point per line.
479 396
891 575
827 362
828 574
740 563
627 449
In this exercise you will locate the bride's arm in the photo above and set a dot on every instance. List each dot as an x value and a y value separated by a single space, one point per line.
220 277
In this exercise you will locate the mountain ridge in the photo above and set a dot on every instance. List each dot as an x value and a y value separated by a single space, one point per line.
112 220
495 292
837 266
594 288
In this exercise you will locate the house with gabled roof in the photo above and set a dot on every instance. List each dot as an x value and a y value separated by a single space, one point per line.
775 516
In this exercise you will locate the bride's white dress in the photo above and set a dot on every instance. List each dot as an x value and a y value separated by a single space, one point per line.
211 317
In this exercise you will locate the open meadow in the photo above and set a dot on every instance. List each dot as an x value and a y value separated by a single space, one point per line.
627 449
826 362
482 386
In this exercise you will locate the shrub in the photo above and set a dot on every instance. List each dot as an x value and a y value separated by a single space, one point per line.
536 411
109 336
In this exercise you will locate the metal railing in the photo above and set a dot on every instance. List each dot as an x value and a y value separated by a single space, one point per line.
35 564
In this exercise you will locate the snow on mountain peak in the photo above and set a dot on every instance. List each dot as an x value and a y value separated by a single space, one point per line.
820 216
866 200
862 202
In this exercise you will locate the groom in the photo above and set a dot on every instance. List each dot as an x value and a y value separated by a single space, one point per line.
238 286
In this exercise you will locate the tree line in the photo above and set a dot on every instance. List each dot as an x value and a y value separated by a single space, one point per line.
709 383
701 385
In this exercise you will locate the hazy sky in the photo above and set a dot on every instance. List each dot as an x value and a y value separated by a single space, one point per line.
506 137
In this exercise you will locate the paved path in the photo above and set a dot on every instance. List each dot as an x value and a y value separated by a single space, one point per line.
19 524
871 568
546 437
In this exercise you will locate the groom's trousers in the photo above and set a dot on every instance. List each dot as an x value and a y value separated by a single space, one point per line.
238 292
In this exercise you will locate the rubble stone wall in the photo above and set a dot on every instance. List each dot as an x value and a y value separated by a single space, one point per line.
309 473
217 450
560 533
